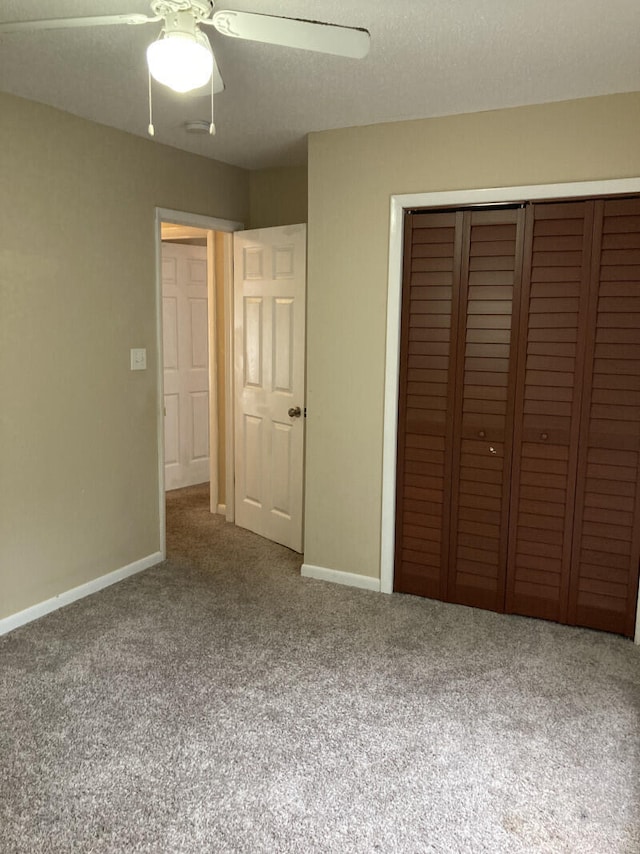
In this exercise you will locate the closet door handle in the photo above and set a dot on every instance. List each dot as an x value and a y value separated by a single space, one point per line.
544 436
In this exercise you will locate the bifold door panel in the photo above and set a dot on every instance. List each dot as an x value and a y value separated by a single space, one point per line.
604 580
426 435
550 355
519 410
483 408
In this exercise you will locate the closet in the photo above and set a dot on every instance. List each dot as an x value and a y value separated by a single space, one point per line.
519 410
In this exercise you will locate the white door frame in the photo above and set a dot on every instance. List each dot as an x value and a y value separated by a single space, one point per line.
453 198
210 224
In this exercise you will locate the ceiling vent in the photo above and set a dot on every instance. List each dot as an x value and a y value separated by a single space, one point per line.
198 126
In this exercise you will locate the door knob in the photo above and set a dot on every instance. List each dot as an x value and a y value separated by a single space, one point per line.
295 412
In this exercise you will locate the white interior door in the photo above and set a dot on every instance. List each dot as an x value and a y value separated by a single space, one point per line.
186 365
269 321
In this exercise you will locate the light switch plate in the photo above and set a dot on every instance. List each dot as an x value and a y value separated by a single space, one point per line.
139 359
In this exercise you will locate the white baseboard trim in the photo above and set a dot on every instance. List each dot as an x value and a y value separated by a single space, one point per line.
222 509
14 621
351 579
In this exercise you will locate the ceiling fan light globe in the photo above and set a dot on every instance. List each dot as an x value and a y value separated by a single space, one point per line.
181 61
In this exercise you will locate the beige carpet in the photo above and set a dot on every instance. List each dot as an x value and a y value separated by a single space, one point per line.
221 703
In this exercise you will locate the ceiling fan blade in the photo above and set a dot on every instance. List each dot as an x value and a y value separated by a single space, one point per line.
292 32
69 23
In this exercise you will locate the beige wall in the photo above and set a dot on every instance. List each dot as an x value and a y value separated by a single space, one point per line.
278 196
352 174
78 450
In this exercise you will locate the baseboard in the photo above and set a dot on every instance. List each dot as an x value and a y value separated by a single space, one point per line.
14 621
351 579
222 509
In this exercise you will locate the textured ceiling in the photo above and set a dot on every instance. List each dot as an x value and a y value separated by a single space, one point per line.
428 58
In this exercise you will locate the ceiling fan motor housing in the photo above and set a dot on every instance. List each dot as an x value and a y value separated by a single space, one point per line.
198 10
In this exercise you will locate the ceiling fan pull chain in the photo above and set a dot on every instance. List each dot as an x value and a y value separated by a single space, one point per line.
151 130
212 127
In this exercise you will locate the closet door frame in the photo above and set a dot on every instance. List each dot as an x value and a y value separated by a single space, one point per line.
454 198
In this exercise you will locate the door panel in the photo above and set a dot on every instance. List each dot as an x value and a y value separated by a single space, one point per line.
171 430
431 285
483 409
186 364
548 398
269 285
604 584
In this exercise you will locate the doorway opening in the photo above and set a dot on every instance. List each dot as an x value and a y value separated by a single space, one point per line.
194 300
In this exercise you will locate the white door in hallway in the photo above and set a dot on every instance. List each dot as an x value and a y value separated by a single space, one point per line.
186 365
269 320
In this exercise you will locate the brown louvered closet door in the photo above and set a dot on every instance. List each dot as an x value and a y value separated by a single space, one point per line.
455 415
548 397
606 548
429 303
483 407
518 462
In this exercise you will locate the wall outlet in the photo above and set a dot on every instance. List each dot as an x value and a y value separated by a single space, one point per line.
139 359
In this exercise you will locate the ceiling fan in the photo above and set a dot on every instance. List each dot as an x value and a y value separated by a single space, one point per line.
181 56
